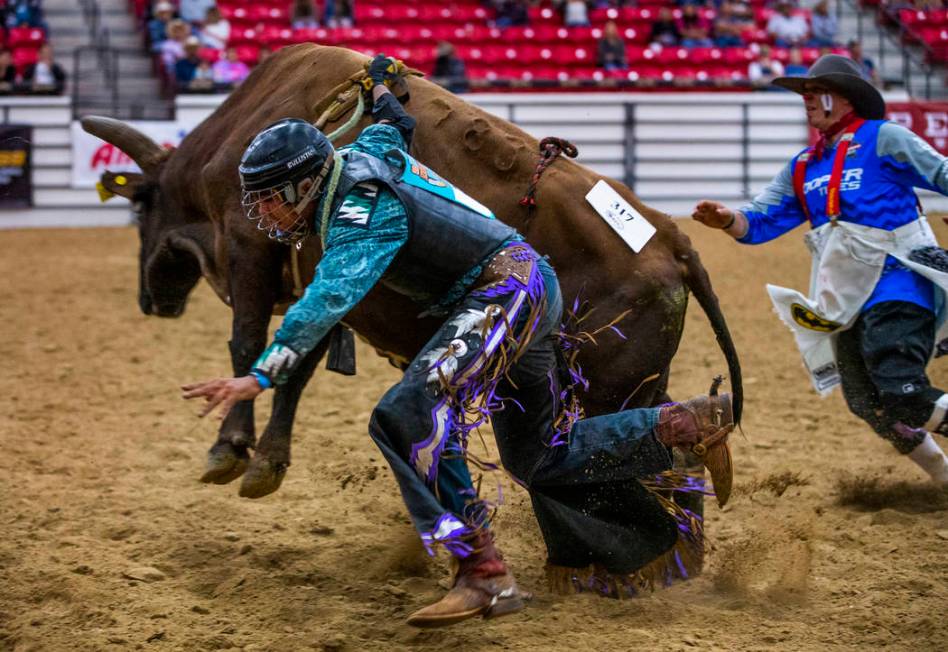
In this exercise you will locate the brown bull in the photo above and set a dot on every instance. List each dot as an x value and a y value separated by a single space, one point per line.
191 224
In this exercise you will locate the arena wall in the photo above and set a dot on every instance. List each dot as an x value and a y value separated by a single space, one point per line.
671 148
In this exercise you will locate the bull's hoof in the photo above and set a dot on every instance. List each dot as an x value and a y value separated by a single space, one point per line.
225 463
263 477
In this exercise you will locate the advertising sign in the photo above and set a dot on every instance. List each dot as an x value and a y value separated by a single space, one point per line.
91 156
927 119
16 187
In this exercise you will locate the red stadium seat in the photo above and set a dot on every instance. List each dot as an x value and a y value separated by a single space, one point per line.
526 54
470 53
364 13
545 33
249 54
20 36
672 56
584 56
422 55
635 35
581 36
246 36
780 54
209 54
24 56
913 17
735 56
539 15
810 55
276 37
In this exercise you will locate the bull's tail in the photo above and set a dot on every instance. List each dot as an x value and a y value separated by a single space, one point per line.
700 285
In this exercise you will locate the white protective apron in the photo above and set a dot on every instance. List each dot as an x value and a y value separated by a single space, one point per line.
847 263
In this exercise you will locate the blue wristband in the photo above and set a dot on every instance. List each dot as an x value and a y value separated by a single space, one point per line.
263 381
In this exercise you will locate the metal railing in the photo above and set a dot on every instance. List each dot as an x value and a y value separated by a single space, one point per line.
98 82
100 87
890 29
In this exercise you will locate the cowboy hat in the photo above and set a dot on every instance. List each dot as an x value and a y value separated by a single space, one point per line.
842 75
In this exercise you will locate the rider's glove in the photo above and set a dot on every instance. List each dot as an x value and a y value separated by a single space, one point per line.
383 70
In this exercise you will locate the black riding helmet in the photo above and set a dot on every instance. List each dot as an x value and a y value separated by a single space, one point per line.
274 164
288 150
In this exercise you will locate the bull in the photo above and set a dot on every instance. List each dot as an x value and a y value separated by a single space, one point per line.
191 226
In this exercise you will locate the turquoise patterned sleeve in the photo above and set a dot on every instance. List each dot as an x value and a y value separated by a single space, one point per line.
378 139
367 231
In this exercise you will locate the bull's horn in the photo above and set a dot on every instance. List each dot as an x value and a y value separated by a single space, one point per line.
142 149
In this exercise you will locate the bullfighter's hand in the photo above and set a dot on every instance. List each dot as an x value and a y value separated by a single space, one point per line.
713 214
223 392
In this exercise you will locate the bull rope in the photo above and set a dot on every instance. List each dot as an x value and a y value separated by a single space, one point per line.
550 149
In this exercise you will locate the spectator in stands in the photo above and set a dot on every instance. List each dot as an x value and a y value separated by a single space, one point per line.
665 30
203 80
185 66
611 49
230 70
25 13
45 76
264 53
764 69
304 15
216 30
729 27
194 11
338 13
866 64
158 26
795 66
511 13
576 13
172 48
7 72
695 28
824 28
786 27
449 69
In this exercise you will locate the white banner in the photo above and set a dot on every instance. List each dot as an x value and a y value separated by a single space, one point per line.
91 156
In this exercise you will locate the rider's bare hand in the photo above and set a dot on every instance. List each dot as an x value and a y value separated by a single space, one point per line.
222 392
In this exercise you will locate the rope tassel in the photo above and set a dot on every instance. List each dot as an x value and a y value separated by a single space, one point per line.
550 149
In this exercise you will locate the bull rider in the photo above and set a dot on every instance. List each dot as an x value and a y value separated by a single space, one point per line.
383 217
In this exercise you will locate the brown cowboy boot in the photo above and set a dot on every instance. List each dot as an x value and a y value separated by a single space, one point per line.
702 424
483 586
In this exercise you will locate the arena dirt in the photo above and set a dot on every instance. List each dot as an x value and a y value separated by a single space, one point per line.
109 542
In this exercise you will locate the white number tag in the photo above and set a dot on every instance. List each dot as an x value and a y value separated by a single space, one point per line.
621 216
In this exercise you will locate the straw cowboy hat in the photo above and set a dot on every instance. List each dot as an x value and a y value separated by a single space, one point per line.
842 75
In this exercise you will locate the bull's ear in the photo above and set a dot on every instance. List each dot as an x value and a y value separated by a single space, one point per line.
123 184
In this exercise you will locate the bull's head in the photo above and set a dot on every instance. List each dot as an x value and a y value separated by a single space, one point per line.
175 249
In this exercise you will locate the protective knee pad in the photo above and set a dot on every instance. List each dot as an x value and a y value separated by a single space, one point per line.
904 438
914 409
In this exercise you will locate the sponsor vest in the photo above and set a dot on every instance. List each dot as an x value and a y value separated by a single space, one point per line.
449 232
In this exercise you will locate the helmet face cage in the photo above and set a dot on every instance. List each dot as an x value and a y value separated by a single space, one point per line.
269 207
266 207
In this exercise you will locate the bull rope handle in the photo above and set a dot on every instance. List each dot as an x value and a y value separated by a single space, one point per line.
341 99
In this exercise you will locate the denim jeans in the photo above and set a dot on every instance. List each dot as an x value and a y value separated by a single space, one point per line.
416 424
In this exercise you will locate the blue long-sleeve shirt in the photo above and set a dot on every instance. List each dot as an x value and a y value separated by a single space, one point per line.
884 163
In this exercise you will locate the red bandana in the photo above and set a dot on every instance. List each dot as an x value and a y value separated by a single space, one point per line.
826 137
